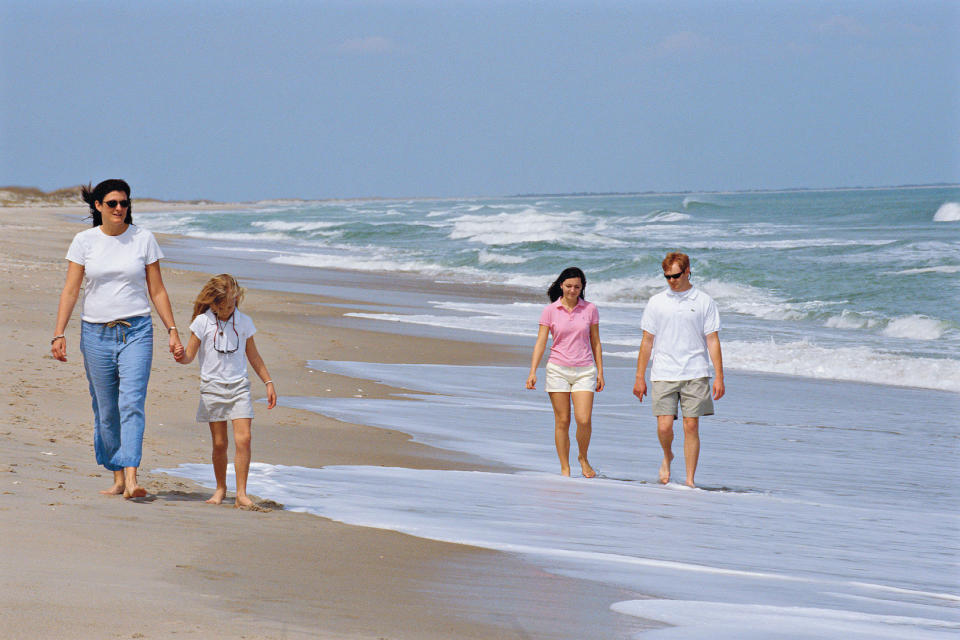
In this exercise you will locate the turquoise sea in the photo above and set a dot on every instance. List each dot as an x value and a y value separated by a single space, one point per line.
860 285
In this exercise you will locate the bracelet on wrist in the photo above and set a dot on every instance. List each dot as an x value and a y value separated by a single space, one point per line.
172 328
268 382
55 338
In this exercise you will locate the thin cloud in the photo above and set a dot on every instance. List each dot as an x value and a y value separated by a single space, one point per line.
843 25
370 45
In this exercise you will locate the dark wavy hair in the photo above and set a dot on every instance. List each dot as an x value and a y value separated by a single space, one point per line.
556 289
91 195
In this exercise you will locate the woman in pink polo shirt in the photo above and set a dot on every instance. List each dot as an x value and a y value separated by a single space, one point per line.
575 366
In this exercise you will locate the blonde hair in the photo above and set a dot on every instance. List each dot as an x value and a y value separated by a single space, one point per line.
218 290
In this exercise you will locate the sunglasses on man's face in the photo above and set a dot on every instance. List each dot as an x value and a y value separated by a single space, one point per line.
112 204
672 276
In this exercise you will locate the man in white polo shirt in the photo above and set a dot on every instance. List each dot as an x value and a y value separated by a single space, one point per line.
680 329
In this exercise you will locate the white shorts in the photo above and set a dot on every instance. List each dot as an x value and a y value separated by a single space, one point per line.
220 401
567 379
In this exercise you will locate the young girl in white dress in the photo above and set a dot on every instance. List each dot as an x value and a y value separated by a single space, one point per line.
223 337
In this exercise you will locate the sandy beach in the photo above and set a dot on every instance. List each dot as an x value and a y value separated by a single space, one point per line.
77 564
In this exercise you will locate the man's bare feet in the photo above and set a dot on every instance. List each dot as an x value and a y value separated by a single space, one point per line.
115 490
243 502
665 469
587 470
565 471
217 497
690 484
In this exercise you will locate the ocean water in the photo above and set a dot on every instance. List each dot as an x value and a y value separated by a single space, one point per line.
826 510
829 482
859 285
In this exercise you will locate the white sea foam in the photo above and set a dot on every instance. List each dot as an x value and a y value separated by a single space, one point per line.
852 320
695 619
948 212
281 225
916 327
669 216
488 257
529 225
946 268
859 364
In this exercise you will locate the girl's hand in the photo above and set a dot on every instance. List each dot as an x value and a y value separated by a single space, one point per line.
271 396
58 348
178 352
532 381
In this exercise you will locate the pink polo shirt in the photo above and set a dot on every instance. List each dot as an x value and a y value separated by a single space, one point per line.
571 332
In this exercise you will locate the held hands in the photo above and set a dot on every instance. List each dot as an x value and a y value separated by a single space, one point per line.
175 347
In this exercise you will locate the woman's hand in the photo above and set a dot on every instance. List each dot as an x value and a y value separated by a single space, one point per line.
600 382
175 347
532 381
271 396
59 349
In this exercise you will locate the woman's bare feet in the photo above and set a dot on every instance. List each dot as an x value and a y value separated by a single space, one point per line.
565 471
131 488
115 490
217 497
665 469
588 471
117 487
135 492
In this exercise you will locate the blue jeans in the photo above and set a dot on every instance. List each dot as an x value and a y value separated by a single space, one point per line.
117 360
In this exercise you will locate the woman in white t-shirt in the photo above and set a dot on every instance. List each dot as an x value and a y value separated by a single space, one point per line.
118 265
222 335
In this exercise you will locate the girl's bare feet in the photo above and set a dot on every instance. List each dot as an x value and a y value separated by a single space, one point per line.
588 471
217 497
243 502
565 471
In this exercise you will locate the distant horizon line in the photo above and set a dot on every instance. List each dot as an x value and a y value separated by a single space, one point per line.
37 193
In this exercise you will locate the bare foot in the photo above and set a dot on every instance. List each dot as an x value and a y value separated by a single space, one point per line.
565 471
665 469
115 490
246 504
217 496
690 484
588 471
136 492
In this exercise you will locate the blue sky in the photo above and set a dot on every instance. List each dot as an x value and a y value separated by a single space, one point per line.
254 100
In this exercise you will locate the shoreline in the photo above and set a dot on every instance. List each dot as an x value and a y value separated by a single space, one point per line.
279 574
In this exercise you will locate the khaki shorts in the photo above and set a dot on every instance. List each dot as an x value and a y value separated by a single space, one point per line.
220 401
694 397
567 379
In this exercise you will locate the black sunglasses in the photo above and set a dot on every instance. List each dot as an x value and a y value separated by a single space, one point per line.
673 276
112 204
224 344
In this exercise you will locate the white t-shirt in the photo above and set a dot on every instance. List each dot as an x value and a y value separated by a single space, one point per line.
114 272
680 323
214 365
